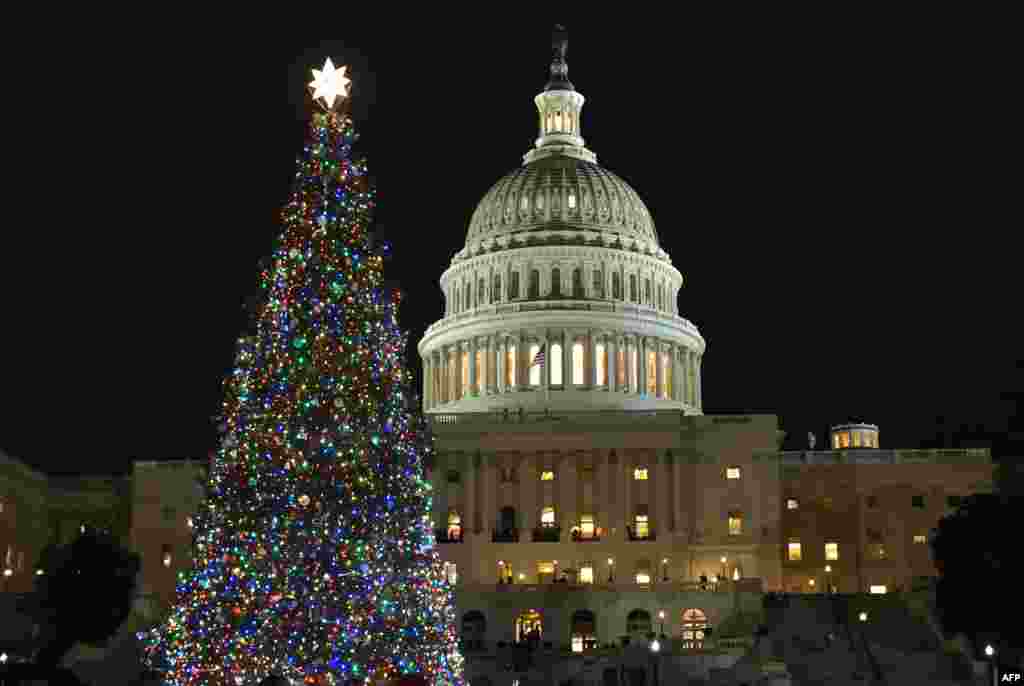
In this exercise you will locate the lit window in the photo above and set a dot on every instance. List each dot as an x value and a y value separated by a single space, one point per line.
577 364
878 590
188 520
602 364
643 529
465 371
792 504
667 361
920 538
735 523
167 555
586 526
856 439
454 525
572 201
794 551
547 516
534 368
844 440
587 574
831 551
826 503
640 474
577 643
510 366
643 576
450 573
633 362
545 568
620 368
547 475
556 364
652 373
732 473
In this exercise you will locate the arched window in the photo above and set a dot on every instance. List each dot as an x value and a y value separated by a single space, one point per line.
616 286
556 282
555 360
510 366
529 623
496 290
534 368
507 520
514 286
667 361
694 624
620 367
474 629
534 283
481 371
601 358
598 283
632 288
638 623
577 364
583 631
633 370
577 283
454 525
652 378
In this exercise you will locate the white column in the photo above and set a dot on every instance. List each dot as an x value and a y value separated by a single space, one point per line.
641 371
675 372
426 381
472 368
700 399
613 351
545 368
591 376
567 356
499 365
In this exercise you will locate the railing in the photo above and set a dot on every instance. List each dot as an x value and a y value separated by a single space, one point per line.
547 534
578 537
633 536
507 536
498 309
444 536
515 417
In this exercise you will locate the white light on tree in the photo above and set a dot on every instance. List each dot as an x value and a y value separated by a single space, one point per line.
330 84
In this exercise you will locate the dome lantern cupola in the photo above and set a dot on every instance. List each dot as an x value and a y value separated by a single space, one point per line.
559 108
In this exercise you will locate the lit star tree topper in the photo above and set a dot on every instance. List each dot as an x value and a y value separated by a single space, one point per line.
330 85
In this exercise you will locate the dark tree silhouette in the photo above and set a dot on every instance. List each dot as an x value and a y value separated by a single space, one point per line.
84 594
975 554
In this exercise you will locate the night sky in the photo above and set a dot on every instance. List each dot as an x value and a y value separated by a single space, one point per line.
838 206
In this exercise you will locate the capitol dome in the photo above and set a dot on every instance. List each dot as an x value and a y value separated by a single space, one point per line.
562 297
559 199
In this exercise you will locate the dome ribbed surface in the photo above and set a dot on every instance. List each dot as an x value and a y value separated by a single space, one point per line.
561 192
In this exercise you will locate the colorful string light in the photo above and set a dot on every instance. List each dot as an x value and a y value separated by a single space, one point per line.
314 550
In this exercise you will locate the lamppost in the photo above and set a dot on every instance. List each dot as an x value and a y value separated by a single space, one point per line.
611 570
990 653
664 569
655 649
723 574
828 578
661 616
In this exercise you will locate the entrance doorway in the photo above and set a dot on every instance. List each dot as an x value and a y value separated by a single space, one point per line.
528 622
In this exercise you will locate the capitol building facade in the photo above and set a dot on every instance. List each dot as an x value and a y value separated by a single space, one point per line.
581 494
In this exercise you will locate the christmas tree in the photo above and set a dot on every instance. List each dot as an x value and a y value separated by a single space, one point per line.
314 551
